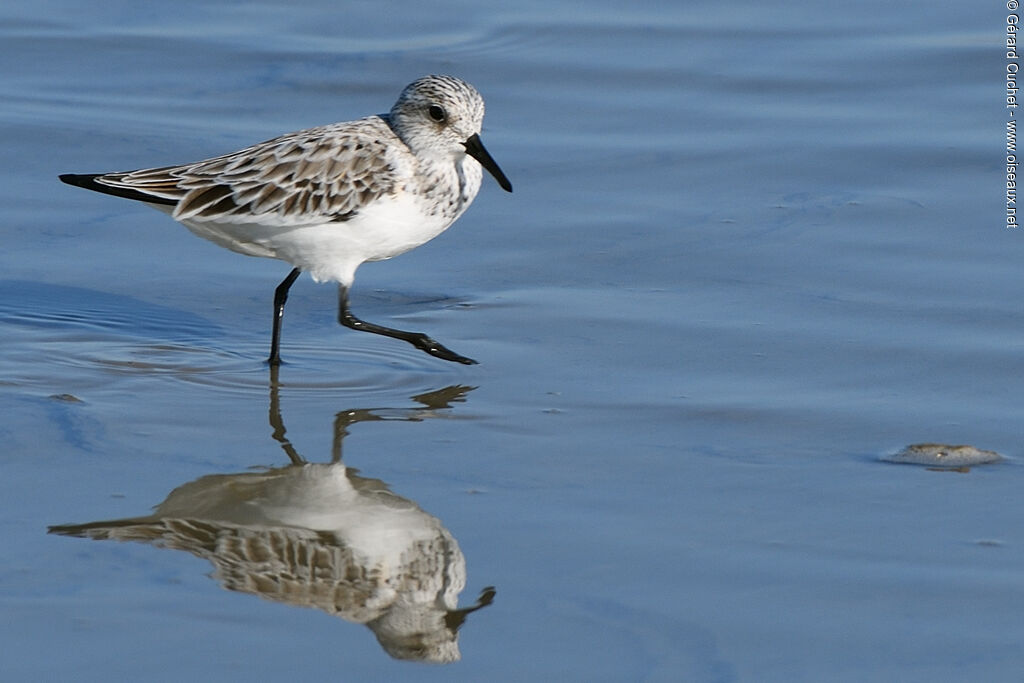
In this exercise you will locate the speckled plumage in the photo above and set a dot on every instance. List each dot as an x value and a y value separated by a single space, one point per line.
330 198
326 173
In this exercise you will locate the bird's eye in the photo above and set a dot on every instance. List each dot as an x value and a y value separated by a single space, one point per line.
437 113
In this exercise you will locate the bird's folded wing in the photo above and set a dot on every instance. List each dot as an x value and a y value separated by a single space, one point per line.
320 174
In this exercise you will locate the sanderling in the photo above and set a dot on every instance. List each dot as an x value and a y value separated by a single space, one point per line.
330 198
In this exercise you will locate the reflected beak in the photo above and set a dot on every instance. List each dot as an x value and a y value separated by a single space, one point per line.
476 149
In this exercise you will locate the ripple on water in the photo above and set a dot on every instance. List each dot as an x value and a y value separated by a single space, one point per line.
360 371
75 337
56 308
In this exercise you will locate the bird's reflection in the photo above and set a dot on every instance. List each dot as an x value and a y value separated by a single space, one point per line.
319 535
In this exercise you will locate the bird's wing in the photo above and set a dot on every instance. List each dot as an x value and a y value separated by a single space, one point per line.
326 173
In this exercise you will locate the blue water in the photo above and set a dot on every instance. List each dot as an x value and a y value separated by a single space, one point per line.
752 249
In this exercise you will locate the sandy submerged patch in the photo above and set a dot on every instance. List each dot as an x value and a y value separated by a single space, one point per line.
943 455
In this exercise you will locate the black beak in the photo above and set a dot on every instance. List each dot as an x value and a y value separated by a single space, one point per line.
476 149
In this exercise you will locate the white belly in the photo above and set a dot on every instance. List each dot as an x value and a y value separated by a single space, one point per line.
331 251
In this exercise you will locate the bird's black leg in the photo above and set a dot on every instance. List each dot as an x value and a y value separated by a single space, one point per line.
280 296
417 339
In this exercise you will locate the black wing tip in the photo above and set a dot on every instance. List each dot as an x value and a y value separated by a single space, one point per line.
88 181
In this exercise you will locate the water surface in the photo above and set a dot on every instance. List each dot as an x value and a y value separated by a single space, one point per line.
752 249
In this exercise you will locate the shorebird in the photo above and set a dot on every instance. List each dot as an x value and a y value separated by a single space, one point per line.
328 199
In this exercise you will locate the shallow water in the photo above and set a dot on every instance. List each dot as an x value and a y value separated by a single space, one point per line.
752 249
